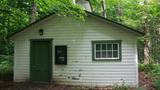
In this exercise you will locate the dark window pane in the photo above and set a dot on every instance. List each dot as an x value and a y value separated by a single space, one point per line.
109 54
109 46
103 46
115 46
115 54
97 46
98 55
104 54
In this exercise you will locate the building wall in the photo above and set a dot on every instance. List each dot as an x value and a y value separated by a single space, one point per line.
77 35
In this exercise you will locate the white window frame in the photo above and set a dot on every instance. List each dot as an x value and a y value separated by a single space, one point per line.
106 42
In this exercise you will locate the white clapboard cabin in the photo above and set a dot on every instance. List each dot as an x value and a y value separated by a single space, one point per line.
63 50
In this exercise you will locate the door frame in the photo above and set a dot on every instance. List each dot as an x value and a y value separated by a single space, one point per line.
50 40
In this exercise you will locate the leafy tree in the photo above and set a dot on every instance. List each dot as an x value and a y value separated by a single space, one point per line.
16 14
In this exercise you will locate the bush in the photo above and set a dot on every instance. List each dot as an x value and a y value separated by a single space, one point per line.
157 84
141 67
6 67
121 87
146 67
154 71
156 76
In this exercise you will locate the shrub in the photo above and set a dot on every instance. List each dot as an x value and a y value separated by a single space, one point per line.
6 67
154 71
141 67
146 67
157 84
121 87
156 76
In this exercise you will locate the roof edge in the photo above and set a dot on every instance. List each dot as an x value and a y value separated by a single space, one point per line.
129 28
12 34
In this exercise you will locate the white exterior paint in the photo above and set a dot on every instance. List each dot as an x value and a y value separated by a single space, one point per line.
77 35
83 3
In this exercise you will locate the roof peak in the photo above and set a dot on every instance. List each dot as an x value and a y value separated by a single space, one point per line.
129 28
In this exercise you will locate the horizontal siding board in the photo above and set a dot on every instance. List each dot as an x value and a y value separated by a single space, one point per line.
97 75
94 79
81 71
89 82
97 69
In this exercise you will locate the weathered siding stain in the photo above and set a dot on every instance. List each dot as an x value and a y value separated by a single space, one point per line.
80 70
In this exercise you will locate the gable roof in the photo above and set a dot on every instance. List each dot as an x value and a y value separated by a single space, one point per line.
116 23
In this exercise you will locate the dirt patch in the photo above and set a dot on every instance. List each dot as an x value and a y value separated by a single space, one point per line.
34 86
38 86
146 81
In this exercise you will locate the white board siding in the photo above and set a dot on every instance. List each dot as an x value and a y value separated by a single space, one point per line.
81 69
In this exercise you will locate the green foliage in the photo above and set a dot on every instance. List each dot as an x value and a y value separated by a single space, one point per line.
121 87
7 48
15 14
157 84
96 5
6 68
154 71
125 12
141 67
156 76
146 67
6 65
12 18
60 7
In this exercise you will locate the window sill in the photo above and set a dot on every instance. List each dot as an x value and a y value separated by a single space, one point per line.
108 60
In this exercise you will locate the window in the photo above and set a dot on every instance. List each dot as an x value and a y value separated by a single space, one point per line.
106 50
61 55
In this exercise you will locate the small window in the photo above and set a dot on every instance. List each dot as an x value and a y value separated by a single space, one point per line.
106 50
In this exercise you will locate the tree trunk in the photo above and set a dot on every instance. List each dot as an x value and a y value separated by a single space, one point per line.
33 13
146 40
146 52
119 10
104 8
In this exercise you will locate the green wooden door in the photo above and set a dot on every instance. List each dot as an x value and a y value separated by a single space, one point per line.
40 62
